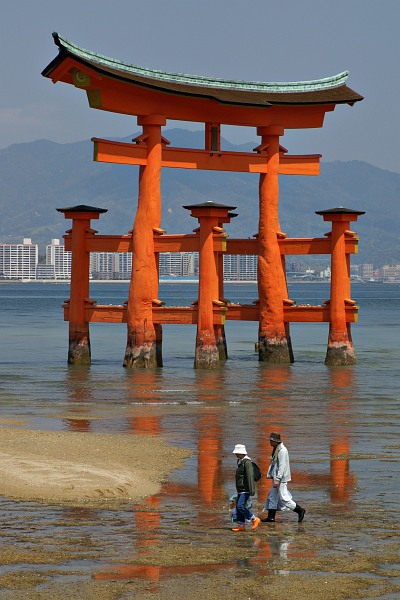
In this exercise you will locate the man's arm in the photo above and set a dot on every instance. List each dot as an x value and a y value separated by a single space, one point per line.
283 459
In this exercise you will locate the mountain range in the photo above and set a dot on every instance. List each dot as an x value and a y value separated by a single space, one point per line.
38 177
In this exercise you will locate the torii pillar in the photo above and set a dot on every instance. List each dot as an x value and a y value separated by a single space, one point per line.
340 349
273 340
144 339
79 339
210 339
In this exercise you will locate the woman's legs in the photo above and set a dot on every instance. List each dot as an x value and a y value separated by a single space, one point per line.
242 512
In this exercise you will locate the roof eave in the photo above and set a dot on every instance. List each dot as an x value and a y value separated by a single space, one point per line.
69 50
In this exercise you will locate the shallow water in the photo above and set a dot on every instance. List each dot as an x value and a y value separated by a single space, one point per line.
340 425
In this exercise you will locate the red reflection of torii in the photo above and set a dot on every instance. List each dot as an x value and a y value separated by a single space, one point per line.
210 444
143 388
273 416
343 481
266 552
78 392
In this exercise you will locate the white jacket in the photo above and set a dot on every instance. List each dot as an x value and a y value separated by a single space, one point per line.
280 470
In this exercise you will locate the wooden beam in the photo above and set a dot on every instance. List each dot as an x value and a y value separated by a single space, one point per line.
293 246
130 99
190 243
206 160
187 315
162 243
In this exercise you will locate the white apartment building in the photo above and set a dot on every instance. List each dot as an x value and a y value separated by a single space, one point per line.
179 264
110 265
19 261
59 259
240 267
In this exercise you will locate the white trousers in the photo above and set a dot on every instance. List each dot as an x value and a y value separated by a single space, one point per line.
279 498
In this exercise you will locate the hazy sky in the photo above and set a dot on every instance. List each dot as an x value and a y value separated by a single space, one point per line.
286 40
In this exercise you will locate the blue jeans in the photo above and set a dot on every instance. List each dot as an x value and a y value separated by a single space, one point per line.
242 512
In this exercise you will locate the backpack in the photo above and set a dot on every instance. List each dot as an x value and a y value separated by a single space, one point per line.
256 471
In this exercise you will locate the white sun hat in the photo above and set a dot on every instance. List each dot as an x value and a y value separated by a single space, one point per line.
239 449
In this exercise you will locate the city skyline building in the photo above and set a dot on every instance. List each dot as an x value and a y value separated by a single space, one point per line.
59 259
20 261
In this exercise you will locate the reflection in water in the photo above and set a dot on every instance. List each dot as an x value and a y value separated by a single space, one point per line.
272 415
147 523
139 382
326 415
342 481
276 413
79 390
208 428
265 551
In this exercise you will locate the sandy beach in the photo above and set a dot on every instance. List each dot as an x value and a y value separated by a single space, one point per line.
80 467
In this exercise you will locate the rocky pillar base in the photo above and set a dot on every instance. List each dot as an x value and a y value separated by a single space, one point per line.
207 353
340 353
146 354
274 350
79 348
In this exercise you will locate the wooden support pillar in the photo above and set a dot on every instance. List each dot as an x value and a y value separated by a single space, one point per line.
340 349
220 329
209 215
273 342
79 338
144 340
212 142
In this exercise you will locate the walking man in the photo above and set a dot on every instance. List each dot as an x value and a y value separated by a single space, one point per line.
279 497
245 488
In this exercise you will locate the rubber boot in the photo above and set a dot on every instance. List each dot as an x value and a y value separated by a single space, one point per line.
300 511
271 516
238 528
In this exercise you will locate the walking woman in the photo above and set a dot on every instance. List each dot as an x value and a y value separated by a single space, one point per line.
245 488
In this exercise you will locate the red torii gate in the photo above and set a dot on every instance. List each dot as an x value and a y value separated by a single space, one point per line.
154 97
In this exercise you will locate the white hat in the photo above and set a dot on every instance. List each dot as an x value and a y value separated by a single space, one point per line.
239 449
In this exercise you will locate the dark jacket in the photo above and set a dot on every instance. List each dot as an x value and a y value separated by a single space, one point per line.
245 477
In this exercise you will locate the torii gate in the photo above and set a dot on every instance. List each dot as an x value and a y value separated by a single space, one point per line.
154 97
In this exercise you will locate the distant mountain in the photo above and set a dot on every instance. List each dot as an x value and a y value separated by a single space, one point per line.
38 177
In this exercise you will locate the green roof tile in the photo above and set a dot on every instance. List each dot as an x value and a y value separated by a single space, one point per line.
198 80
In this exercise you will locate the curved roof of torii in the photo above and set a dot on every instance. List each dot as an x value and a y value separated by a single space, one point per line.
330 90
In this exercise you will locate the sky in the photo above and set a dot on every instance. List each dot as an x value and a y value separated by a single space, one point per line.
259 40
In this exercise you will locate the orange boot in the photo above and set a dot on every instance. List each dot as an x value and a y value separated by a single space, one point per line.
256 523
238 528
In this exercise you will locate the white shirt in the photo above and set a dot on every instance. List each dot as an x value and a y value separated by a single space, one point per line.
280 470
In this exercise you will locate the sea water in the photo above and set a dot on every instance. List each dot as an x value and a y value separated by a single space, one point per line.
324 414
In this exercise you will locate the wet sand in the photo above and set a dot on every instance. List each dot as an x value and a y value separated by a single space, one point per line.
312 561
80 467
333 555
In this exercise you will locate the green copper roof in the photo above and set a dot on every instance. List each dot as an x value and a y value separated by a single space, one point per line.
330 90
197 80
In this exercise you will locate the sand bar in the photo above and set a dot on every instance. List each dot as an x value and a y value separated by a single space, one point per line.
74 466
